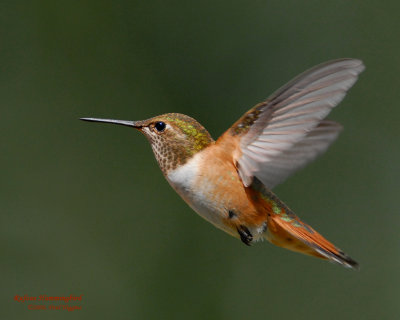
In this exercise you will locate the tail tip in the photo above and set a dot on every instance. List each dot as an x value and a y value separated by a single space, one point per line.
341 258
349 262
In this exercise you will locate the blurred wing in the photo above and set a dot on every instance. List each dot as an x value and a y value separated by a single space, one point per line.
306 150
282 134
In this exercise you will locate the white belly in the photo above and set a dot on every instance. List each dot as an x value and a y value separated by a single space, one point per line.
198 193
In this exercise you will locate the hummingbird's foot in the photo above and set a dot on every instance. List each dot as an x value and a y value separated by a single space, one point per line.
245 235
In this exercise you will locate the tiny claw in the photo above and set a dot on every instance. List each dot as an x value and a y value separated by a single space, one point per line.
245 235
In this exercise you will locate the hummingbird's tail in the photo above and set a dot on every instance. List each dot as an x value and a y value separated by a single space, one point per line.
286 230
291 233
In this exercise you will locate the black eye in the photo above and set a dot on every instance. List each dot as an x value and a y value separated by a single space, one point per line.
160 126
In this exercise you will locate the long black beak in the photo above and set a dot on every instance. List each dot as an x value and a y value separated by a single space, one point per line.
133 124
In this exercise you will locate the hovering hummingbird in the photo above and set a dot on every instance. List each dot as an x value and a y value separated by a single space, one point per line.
228 182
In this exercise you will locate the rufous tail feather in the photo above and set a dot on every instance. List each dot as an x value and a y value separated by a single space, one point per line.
297 236
286 230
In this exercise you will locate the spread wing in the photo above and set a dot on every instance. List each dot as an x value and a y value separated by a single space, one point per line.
285 132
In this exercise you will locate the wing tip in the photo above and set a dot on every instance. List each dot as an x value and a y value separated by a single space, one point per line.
346 62
357 65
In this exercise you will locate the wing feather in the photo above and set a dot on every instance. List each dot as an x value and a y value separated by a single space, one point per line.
285 132
300 154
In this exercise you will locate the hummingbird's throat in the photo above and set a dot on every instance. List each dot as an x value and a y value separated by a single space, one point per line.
169 154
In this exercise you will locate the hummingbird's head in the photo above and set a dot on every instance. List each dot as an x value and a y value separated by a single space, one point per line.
174 137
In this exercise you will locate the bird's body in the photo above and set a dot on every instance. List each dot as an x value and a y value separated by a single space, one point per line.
228 181
209 183
211 186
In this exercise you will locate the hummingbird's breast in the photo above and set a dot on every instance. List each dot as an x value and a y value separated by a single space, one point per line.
210 184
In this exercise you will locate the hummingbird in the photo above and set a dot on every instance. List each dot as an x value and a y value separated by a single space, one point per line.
228 182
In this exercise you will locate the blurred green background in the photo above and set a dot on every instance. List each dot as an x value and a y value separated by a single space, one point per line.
86 210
